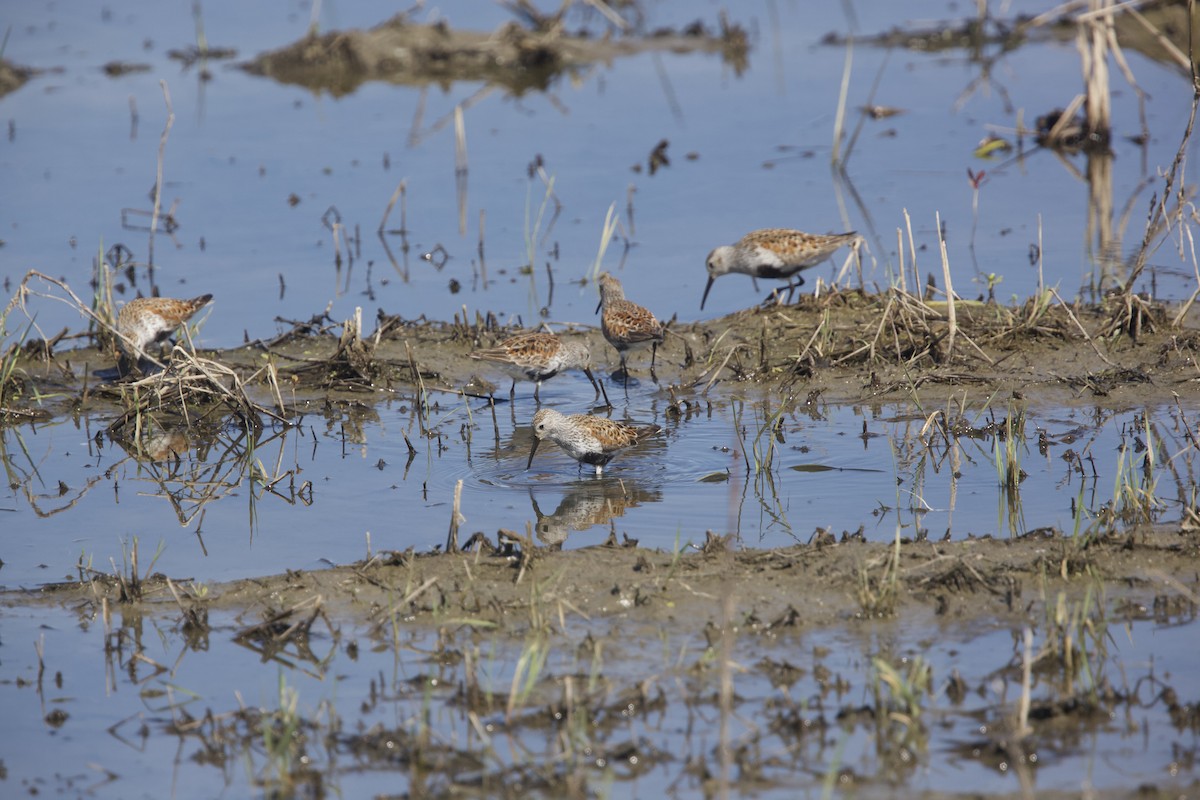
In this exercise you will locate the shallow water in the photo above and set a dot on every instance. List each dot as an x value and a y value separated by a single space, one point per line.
747 150
121 726
342 484
342 481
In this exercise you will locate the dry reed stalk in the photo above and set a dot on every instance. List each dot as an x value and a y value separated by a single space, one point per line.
1023 728
460 168
912 253
883 320
387 212
1093 36
1158 210
482 261
952 312
158 181
1183 310
422 400
192 381
612 16
456 519
839 120
718 370
1079 325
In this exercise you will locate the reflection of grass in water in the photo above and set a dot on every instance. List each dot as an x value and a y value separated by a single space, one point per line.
281 733
1007 459
534 652
533 230
762 453
1075 641
900 689
1134 500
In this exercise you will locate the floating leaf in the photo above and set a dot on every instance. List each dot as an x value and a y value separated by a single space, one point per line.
991 146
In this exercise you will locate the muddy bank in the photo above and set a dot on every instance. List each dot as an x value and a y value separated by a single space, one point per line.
836 579
750 616
845 346
516 57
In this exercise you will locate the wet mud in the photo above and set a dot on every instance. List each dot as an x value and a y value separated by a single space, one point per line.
756 609
746 609
847 346
516 57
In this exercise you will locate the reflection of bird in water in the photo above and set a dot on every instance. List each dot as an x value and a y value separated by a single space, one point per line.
589 505
158 445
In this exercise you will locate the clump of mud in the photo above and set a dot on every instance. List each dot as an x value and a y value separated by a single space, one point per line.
12 77
515 57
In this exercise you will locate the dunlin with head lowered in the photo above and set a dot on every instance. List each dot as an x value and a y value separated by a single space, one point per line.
149 320
625 324
773 253
537 356
587 439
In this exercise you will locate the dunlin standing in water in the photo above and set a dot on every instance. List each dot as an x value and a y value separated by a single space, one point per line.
587 439
773 253
149 320
536 356
626 325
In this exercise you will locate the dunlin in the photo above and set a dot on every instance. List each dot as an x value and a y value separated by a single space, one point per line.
626 325
148 320
773 253
587 439
536 356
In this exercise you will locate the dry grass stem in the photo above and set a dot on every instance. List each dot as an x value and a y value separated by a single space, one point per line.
158 182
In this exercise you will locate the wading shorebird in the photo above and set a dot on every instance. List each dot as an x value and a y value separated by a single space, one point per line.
151 320
537 356
587 439
625 324
773 253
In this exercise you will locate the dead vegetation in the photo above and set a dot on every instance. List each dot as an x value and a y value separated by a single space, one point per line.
12 76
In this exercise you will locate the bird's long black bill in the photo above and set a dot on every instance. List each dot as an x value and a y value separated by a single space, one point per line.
598 306
707 286
532 450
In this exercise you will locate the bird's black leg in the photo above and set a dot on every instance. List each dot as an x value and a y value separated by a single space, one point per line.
622 371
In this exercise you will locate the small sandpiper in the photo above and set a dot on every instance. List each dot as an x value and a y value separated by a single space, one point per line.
773 253
537 356
587 439
150 320
625 324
